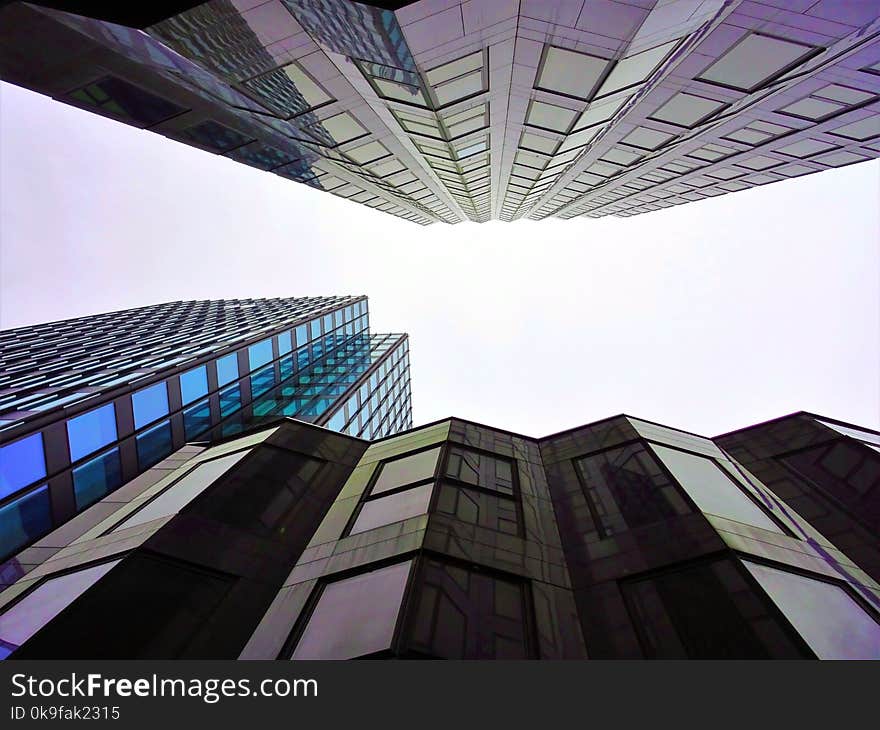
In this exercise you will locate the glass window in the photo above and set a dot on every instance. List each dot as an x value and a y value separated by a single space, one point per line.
459 88
123 100
21 463
549 116
569 72
626 488
407 470
489 472
193 385
260 353
96 478
337 421
454 69
196 420
315 327
90 431
262 381
635 69
355 616
686 110
284 343
154 445
230 401
401 92
813 109
711 489
343 127
184 490
754 61
44 603
478 508
310 91
215 137
464 614
302 335
706 611
833 624
647 139
861 130
227 369
24 520
393 508
149 404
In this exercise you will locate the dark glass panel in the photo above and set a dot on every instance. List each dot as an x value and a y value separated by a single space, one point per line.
21 463
154 445
214 136
478 508
97 478
196 420
24 520
123 100
489 472
627 488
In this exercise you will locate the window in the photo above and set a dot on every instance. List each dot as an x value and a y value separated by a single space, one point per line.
21 463
711 489
262 380
302 335
833 624
492 511
44 603
463 614
24 520
311 92
805 148
196 420
569 72
409 469
647 139
120 99
149 404
548 116
260 353
343 127
96 478
626 488
227 369
90 431
355 616
635 69
489 472
284 343
215 137
687 110
598 112
706 611
754 61
860 130
393 508
193 385
154 445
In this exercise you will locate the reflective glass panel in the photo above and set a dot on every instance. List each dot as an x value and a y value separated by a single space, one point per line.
24 520
196 420
407 470
154 445
227 369
260 353
90 431
355 616
21 463
393 508
149 404
193 385
480 469
712 490
96 478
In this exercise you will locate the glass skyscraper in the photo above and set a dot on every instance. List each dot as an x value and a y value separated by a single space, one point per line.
88 404
478 109
621 539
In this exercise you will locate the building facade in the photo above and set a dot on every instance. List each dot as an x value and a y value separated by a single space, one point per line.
478 109
89 404
619 539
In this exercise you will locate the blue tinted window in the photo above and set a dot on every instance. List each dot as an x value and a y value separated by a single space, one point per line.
328 322
349 314
193 385
149 404
21 463
90 431
316 328
302 358
284 343
260 354
337 318
286 364
196 420
96 478
230 401
154 445
337 421
262 381
302 335
227 369
24 520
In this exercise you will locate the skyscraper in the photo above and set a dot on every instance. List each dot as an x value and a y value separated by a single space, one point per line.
480 109
619 539
89 404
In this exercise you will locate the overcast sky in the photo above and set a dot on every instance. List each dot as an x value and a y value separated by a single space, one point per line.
708 316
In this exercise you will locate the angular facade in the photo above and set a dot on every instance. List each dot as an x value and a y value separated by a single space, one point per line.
88 404
480 109
620 539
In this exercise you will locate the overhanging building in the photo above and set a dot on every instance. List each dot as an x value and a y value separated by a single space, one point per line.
89 404
485 109
620 539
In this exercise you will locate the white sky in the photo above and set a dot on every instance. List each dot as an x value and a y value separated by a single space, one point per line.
709 316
